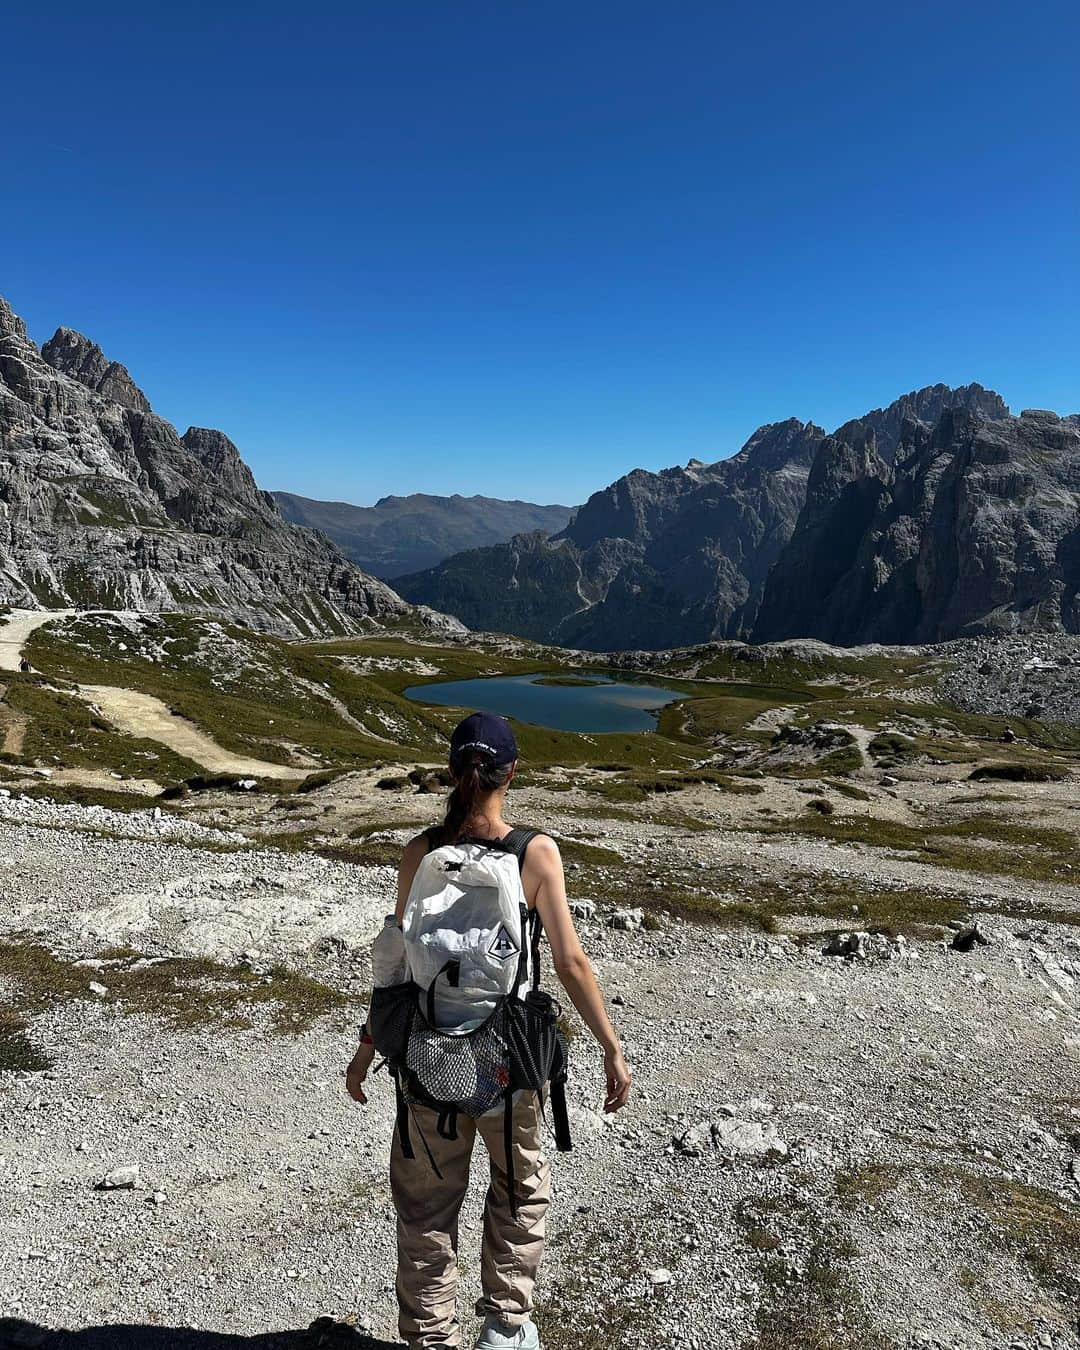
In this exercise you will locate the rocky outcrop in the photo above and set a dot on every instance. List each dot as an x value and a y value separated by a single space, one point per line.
973 529
74 355
103 505
888 426
683 556
399 535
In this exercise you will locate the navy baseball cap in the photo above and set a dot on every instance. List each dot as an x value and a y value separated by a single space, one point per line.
488 733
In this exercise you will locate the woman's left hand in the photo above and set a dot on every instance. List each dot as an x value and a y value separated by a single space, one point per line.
357 1072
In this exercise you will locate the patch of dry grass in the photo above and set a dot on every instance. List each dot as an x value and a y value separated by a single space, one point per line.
184 991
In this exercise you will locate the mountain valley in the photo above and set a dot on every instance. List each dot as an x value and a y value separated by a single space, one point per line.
405 534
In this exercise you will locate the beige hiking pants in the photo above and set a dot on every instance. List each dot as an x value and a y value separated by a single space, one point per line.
427 1229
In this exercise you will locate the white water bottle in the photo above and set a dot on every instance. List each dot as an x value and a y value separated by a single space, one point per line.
388 955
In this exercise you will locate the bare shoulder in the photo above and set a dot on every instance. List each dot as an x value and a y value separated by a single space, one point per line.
414 850
543 852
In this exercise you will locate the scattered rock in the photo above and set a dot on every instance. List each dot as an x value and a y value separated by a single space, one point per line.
748 1138
628 920
122 1178
864 946
970 937
733 1137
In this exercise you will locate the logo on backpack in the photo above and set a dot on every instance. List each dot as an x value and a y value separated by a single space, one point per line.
503 947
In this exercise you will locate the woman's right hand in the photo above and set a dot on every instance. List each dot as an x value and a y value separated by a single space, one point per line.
617 1073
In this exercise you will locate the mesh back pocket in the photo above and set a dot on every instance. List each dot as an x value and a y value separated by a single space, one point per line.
470 1072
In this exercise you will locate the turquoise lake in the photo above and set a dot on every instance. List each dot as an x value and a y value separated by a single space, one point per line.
600 705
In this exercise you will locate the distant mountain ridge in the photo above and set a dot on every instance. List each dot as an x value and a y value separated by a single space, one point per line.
937 516
406 534
104 505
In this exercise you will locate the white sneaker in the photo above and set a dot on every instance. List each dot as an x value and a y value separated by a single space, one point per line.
497 1335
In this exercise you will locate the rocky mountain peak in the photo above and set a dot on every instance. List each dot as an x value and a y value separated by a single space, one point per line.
224 463
10 323
894 426
103 505
76 356
777 444
936 515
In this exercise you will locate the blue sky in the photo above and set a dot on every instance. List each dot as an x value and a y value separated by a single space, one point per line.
521 248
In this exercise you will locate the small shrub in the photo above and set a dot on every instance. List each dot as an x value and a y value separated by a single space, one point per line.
1008 772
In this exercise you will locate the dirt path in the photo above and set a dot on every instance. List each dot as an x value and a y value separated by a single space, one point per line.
137 714
15 630
907 1101
863 737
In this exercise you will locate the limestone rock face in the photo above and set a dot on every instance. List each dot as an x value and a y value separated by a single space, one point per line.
103 505
711 551
75 355
654 560
974 528
890 425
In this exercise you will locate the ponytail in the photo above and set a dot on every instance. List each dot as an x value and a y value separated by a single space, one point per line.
476 777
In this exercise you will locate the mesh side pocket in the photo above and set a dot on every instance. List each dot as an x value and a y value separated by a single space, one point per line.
532 1033
470 1072
390 1018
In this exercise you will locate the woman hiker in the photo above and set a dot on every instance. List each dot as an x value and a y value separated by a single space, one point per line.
428 1198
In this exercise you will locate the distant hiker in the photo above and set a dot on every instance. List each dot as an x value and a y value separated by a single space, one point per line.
25 666
473 1046
1008 735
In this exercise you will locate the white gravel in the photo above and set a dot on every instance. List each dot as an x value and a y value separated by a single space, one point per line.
846 1111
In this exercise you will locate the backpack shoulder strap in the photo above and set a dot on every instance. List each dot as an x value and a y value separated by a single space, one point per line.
516 842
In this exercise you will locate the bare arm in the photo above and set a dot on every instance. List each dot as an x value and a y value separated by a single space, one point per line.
545 885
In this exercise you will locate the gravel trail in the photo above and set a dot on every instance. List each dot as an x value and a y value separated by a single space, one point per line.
15 630
139 714
882 1115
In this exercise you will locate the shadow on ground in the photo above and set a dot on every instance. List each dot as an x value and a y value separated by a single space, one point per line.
16 1334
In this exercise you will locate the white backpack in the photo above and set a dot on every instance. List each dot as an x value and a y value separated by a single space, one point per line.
467 930
460 1018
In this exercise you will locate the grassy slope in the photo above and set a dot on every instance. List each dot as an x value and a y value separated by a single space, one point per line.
254 694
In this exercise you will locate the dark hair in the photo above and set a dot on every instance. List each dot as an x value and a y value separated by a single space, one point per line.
476 776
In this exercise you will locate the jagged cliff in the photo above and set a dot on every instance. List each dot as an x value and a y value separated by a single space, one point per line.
753 546
654 559
973 528
103 504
